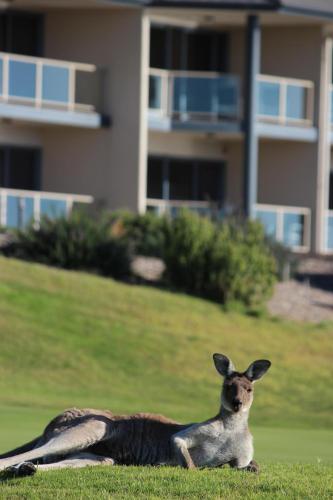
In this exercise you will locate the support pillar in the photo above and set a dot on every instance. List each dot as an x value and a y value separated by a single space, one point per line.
253 54
323 146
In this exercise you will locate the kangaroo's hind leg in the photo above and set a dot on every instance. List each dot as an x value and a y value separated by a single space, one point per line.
76 461
79 436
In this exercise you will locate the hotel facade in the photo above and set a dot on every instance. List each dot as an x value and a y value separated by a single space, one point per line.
220 106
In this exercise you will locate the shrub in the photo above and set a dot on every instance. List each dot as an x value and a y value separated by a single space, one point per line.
226 262
188 241
75 242
241 265
145 234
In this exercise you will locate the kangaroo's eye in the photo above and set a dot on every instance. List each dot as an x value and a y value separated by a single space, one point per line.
249 390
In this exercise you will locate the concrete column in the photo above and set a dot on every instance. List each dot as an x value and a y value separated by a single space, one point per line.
323 146
143 114
253 53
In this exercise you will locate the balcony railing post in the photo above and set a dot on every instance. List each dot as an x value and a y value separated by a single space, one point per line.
3 213
279 225
39 84
36 211
171 85
71 90
283 102
69 205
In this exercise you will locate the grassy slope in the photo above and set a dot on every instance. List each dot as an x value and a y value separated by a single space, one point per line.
74 339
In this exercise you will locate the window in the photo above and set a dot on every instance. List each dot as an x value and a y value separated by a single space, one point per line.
185 179
20 168
181 179
210 181
21 33
195 50
155 178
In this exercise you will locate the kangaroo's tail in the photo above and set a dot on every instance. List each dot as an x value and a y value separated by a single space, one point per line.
21 449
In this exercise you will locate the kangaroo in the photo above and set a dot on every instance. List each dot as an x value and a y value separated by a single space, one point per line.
78 438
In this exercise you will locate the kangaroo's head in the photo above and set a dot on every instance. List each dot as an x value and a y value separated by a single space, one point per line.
237 388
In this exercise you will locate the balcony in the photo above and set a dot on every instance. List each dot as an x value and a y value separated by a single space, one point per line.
193 98
18 208
43 90
208 101
285 101
287 225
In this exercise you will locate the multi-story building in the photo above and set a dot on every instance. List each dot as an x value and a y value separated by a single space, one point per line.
217 105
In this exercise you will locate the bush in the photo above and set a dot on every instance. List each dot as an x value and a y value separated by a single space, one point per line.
145 234
75 242
188 242
241 265
226 262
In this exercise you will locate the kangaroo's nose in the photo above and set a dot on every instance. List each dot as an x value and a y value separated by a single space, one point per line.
237 404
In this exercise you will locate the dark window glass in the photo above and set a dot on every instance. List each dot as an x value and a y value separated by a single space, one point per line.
22 169
181 180
222 53
2 33
2 168
158 47
19 168
210 181
155 178
176 50
331 192
25 34
21 33
200 52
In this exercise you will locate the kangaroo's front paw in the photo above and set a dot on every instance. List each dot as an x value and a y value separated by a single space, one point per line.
253 467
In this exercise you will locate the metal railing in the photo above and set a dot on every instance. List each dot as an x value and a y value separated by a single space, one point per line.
287 101
195 95
41 82
288 225
20 207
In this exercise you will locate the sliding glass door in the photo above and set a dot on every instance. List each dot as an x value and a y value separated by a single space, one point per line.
186 179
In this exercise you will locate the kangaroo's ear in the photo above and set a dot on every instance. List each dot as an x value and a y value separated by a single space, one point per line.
257 369
223 364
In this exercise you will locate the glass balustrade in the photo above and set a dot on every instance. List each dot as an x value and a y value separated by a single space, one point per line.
18 209
43 82
289 226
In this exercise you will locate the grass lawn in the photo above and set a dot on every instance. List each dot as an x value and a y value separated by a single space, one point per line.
275 481
72 339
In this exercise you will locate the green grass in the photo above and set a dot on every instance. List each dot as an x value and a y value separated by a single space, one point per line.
72 339
275 481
